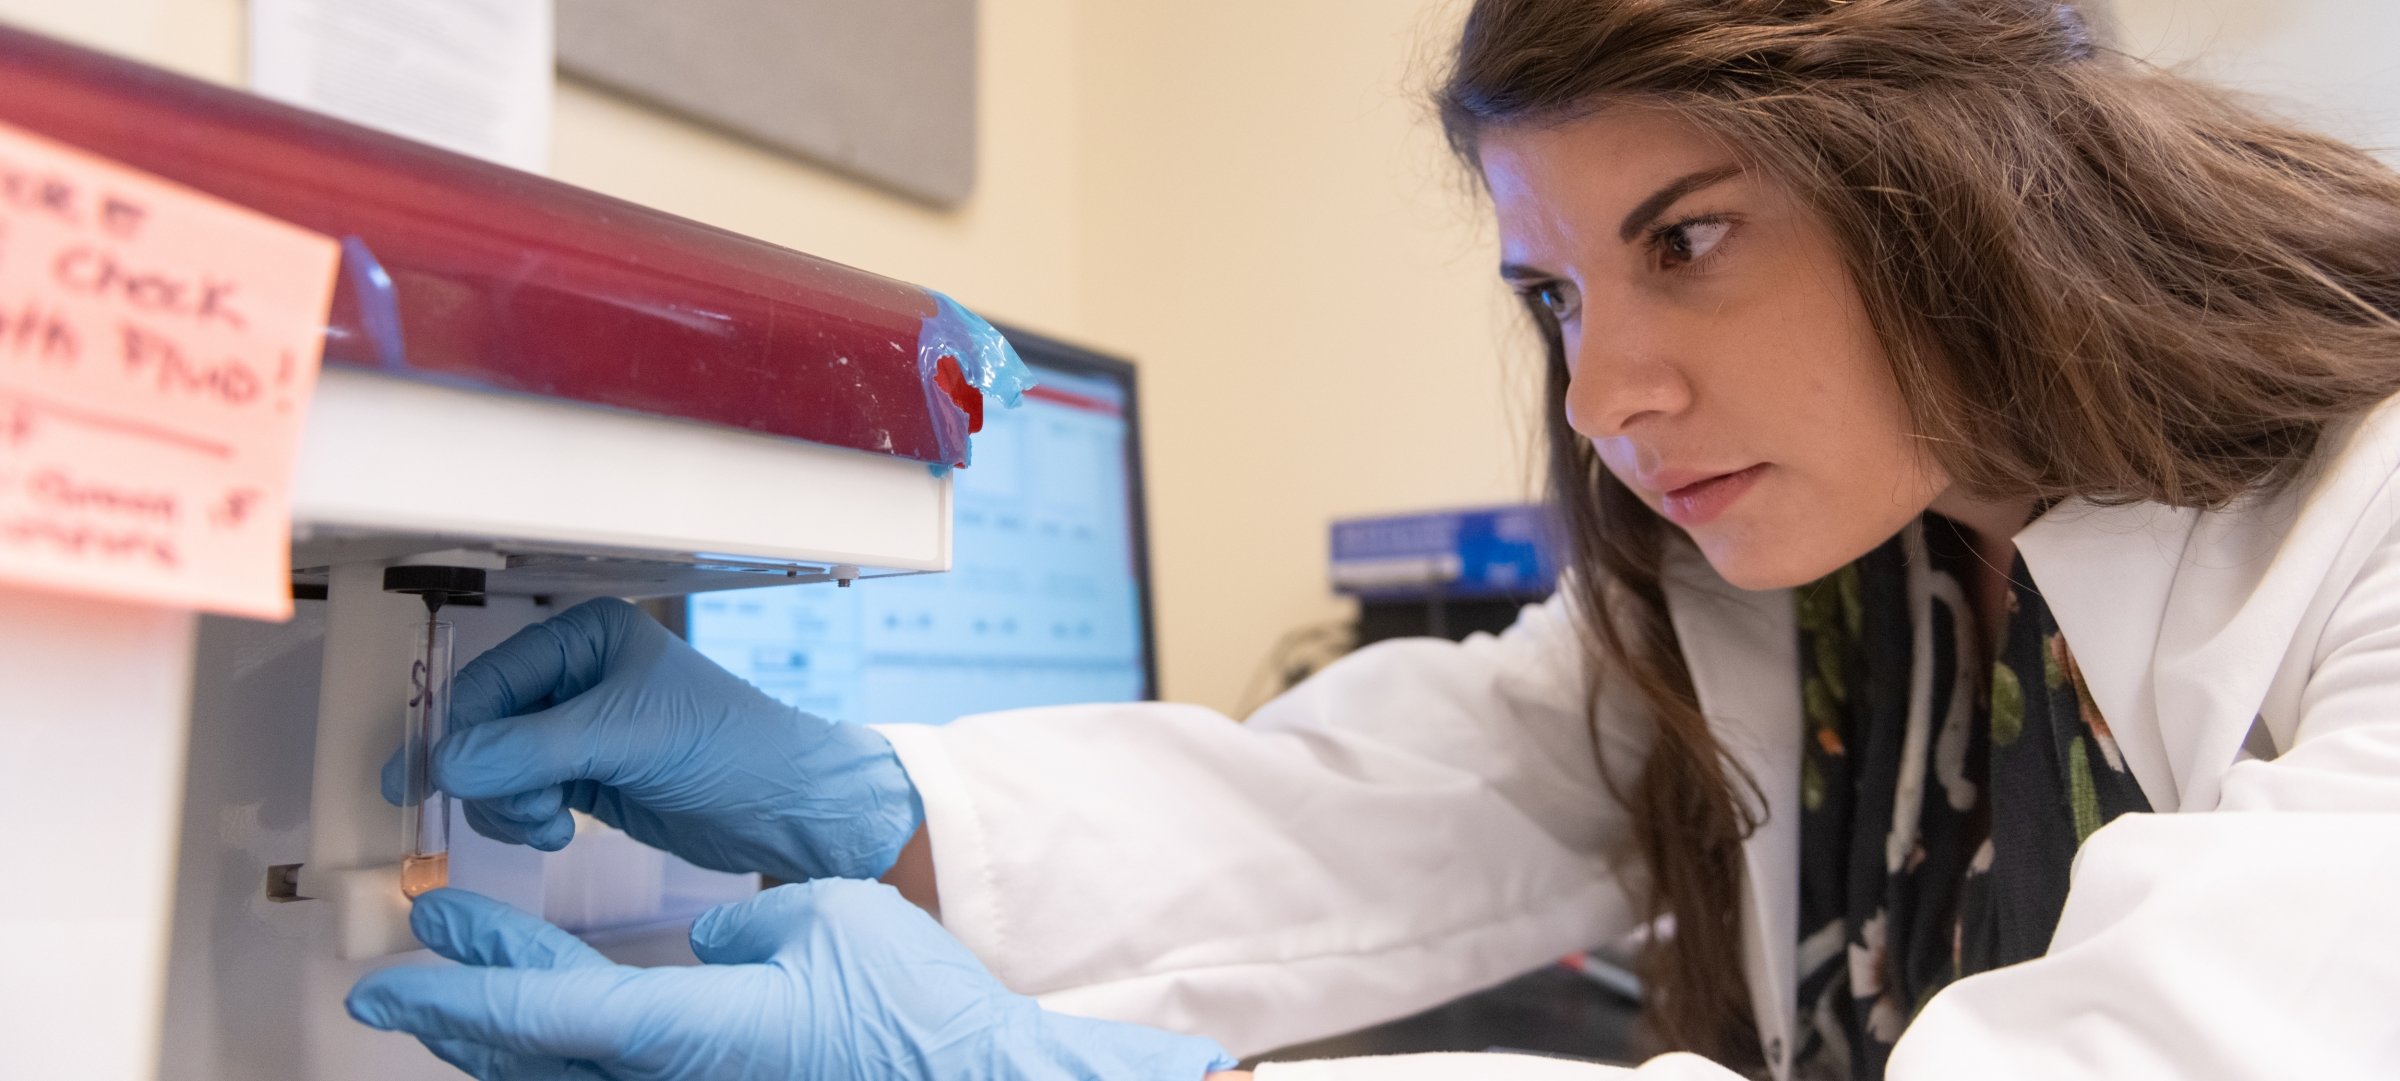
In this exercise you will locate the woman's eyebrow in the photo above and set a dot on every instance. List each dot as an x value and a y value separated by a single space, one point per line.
1648 210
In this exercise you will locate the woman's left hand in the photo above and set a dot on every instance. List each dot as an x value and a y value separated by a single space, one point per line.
829 979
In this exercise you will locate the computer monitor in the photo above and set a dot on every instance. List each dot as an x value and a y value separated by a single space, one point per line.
1048 601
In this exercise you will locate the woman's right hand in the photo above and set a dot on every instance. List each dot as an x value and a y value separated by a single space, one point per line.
599 709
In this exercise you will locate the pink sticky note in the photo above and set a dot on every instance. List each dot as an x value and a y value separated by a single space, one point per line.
157 351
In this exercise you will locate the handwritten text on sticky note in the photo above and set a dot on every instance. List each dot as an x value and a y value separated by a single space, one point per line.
157 351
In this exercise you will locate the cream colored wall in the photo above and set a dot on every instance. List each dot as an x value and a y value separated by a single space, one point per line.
1010 252
196 37
2329 63
1274 228
1243 196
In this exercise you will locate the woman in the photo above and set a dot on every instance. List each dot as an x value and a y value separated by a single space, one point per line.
1980 657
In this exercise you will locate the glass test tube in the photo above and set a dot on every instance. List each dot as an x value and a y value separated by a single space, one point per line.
424 809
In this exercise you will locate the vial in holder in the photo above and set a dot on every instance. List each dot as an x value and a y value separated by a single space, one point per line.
425 810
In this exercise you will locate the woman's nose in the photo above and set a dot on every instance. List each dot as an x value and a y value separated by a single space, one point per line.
1617 377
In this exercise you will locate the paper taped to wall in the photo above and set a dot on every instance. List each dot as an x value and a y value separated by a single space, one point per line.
473 76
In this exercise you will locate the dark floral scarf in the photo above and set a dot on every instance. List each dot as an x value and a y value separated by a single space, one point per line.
1942 796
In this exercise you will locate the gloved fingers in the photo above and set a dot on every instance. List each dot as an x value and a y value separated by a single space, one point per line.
548 835
393 780
536 805
604 803
567 742
485 1064
753 930
477 930
712 849
550 661
756 929
516 676
473 1059
575 1013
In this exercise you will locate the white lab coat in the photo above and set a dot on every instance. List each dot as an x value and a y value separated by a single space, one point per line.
1424 819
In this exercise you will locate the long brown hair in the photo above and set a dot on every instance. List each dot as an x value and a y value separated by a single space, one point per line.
2091 279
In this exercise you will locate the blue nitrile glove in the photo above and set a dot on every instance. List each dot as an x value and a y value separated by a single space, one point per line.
602 710
826 980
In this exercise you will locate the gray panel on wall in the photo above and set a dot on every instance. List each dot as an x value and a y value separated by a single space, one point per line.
883 89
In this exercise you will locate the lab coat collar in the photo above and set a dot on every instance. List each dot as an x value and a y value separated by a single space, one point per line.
1743 651
2199 628
2107 574
2193 627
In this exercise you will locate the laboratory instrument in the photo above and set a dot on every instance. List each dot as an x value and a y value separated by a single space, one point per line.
597 373
1444 573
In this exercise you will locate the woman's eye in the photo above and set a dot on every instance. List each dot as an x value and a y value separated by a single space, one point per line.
1557 298
1686 243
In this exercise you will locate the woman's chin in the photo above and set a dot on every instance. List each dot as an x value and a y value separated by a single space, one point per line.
1757 567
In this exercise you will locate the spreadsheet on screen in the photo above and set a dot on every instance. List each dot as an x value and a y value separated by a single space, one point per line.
1044 604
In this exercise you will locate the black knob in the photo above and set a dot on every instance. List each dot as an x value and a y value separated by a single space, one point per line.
437 585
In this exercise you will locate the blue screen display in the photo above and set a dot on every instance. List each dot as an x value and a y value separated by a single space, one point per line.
1042 606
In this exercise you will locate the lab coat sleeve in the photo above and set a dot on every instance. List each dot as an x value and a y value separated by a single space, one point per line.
1492 1067
2256 940
1419 820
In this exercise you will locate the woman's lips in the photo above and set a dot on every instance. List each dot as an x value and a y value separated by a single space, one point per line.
1701 502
